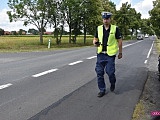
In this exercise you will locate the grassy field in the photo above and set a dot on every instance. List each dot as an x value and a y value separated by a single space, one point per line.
31 43
26 43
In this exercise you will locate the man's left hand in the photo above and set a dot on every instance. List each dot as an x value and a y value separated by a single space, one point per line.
119 55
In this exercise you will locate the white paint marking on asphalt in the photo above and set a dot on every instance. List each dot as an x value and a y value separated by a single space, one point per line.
150 50
5 86
75 62
145 62
131 44
44 73
91 57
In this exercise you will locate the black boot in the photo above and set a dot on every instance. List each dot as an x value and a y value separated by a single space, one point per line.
101 94
112 87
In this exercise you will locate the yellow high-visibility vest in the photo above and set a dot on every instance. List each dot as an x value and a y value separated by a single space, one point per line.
112 44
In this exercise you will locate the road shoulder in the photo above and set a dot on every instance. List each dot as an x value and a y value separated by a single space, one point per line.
150 98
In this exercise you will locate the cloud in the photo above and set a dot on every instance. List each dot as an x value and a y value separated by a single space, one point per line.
142 6
13 26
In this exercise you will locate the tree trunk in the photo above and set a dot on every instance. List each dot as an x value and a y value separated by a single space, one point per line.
56 33
125 33
70 33
75 38
41 37
132 33
70 25
56 30
136 33
84 33
62 29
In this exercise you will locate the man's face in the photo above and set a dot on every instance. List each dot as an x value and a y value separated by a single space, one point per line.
106 21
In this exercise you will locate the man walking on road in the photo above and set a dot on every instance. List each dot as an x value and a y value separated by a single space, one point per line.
108 41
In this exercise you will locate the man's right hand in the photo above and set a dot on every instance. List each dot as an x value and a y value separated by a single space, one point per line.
95 42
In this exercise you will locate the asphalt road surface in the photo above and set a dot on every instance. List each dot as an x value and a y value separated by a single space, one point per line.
62 85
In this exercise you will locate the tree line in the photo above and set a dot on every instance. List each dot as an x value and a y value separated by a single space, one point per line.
155 17
81 16
20 32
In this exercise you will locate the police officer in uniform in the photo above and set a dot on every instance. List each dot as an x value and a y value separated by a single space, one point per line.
108 41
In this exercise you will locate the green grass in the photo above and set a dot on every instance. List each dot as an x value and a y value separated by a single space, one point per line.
25 43
32 43
158 45
139 111
129 37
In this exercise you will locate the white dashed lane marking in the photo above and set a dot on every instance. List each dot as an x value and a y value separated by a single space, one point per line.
145 62
44 73
131 44
74 63
91 57
5 86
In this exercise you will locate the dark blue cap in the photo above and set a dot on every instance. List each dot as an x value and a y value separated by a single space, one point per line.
106 15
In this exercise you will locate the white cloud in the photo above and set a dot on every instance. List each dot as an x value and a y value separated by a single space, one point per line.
15 26
142 6
11 26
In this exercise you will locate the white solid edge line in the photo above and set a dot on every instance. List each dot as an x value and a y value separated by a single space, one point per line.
75 63
145 61
150 50
44 73
5 86
91 57
131 44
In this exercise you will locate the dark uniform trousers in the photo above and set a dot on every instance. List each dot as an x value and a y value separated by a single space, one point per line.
105 63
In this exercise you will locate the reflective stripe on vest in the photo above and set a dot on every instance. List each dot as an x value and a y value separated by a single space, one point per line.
112 44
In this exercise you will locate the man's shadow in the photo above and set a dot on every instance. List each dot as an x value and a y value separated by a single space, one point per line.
130 78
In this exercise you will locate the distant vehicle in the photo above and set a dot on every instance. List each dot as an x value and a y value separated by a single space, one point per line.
139 37
146 36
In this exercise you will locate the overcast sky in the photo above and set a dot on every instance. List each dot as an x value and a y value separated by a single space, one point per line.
142 6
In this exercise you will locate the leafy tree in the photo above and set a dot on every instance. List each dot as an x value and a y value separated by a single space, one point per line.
135 20
33 31
91 16
68 5
127 19
82 15
33 12
123 18
76 22
56 19
21 31
1 31
13 32
155 17
108 6
146 27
